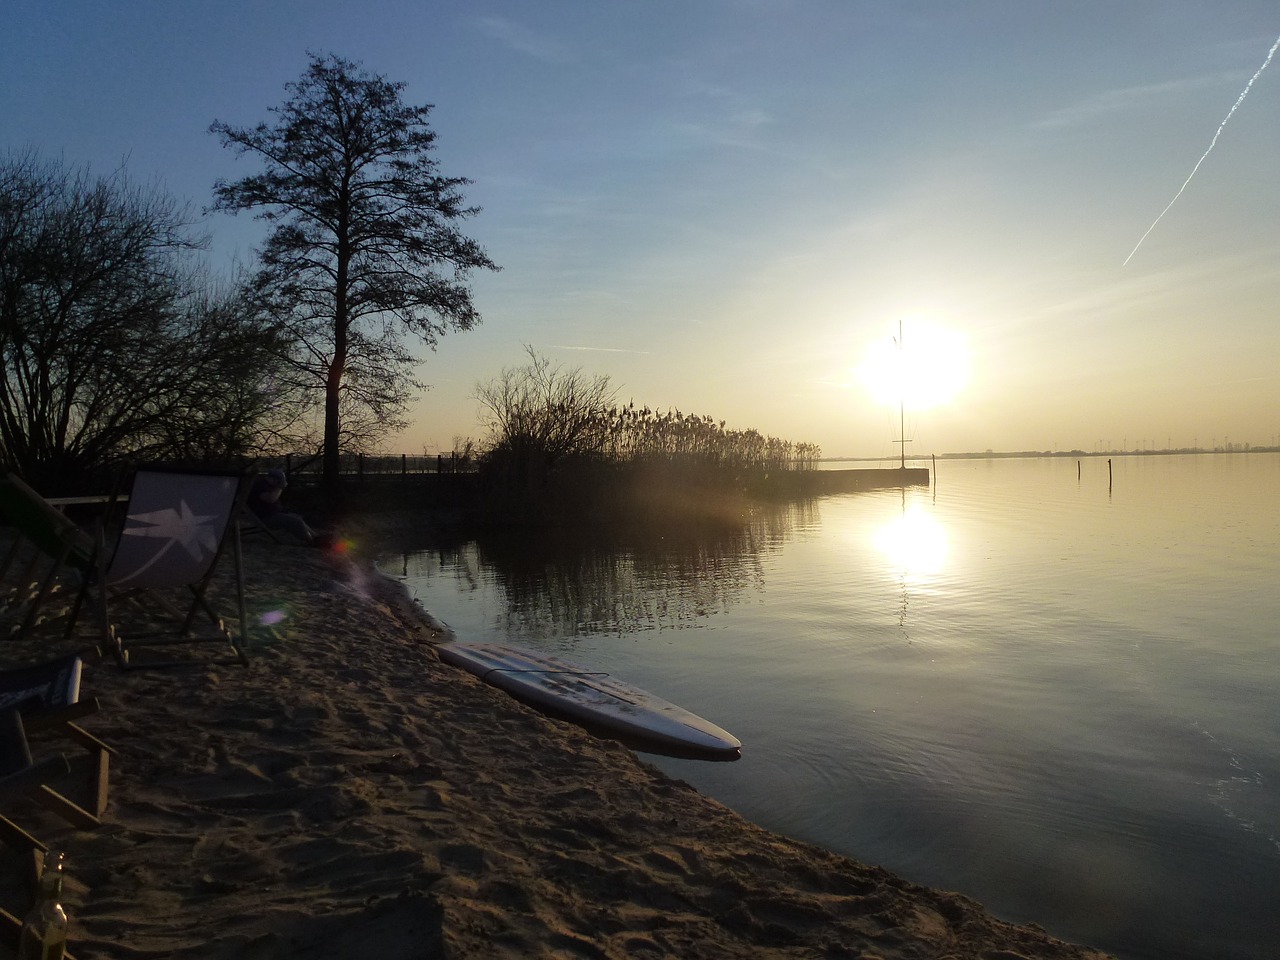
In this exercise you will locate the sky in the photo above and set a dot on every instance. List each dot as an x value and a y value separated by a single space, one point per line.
732 207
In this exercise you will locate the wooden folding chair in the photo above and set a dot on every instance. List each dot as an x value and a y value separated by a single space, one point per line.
45 698
152 589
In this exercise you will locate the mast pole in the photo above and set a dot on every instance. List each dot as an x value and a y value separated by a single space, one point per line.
902 404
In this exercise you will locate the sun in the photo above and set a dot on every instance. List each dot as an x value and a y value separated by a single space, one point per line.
928 369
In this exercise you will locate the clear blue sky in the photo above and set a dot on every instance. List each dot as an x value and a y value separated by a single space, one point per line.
724 204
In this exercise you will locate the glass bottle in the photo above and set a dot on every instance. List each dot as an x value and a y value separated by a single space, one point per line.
44 934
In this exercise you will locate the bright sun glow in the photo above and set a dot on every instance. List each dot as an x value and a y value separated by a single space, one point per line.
929 369
914 543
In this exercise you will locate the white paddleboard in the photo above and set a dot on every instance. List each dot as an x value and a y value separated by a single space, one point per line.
591 697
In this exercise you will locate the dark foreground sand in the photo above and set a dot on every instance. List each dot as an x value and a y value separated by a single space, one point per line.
349 796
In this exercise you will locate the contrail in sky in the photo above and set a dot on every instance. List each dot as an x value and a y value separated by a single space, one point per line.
1239 100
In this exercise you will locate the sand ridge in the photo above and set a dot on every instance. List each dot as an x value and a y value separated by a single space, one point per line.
348 796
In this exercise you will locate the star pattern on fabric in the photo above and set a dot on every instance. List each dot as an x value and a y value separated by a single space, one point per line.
194 532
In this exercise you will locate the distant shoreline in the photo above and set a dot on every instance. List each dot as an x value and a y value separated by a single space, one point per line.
1072 454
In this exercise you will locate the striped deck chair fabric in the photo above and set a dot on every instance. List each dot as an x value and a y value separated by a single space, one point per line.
153 590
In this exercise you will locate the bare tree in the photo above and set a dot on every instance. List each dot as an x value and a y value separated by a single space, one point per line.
540 414
238 400
111 344
363 245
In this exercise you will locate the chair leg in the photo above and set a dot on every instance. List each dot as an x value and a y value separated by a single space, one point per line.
100 783
237 558
60 806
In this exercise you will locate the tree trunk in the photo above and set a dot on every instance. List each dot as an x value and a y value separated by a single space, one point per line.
333 383
332 393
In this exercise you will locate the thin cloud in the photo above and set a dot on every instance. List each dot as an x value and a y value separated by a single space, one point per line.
1122 100
524 40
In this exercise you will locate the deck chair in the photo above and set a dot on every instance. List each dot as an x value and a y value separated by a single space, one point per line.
45 697
153 588
45 548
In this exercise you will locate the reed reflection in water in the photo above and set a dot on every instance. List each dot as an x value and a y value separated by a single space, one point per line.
559 584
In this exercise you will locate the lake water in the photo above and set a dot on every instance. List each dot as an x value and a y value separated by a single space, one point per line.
1044 684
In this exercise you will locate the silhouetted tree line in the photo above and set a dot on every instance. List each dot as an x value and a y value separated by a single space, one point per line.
115 344
543 418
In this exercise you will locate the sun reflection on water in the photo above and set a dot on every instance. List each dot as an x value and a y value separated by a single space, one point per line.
914 543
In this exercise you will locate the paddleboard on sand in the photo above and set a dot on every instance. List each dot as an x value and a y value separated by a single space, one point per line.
590 697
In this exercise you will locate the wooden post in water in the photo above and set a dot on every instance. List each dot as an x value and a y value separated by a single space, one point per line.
1077 471
1108 474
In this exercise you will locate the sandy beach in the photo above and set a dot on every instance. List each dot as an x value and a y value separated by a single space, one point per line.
347 795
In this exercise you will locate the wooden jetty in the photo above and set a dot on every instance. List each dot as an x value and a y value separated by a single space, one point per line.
819 482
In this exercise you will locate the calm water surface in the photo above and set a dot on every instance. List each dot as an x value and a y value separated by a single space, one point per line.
1054 693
